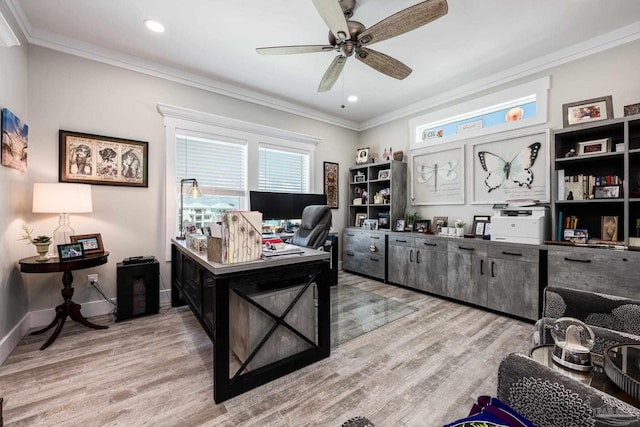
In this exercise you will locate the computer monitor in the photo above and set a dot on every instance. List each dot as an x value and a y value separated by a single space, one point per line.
283 206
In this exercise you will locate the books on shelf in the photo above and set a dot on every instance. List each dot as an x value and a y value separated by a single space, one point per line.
580 187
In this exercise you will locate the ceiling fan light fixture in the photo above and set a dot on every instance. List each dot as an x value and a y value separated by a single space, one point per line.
154 26
352 98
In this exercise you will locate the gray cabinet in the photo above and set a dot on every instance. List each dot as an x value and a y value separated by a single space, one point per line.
401 258
610 271
431 264
467 272
515 274
364 252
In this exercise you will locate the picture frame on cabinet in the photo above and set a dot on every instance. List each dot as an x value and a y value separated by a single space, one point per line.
422 225
438 223
359 221
631 110
399 225
588 110
362 155
479 222
370 224
596 146
607 192
70 251
91 243
359 177
384 174
609 228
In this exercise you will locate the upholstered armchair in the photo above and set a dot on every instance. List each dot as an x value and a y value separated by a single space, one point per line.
613 319
314 227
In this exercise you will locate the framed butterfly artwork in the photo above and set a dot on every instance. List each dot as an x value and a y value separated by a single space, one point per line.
438 176
510 168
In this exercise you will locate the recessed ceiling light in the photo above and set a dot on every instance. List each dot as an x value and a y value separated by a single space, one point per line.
154 25
352 98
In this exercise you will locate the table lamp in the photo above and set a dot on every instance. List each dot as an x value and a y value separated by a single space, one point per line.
62 199
195 192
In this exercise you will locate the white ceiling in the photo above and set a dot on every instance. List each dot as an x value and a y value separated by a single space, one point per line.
211 44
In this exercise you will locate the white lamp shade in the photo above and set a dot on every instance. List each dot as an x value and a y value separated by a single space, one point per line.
62 198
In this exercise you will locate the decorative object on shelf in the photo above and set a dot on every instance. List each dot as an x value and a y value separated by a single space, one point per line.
479 222
383 220
588 110
193 192
632 110
438 223
487 231
62 199
360 217
15 135
576 235
410 218
637 227
610 228
438 177
370 224
597 146
95 159
41 243
359 177
362 155
373 157
378 199
515 167
620 147
386 155
398 155
384 174
607 192
459 227
331 184
422 226
571 153
399 225
69 251
91 243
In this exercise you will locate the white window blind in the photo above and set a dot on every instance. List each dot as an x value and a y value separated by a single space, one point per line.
283 170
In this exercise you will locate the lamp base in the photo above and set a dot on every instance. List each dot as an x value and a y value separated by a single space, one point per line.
578 361
62 234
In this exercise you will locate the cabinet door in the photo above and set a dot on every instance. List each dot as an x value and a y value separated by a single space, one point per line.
467 272
401 262
514 285
431 265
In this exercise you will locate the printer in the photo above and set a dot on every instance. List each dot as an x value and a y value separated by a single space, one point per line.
520 224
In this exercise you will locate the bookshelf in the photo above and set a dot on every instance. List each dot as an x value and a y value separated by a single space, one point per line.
598 191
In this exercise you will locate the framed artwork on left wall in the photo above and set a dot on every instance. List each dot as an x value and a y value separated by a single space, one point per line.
331 184
106 160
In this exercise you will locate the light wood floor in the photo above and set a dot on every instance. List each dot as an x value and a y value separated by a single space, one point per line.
424 369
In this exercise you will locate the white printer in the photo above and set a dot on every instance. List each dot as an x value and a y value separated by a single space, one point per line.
520 224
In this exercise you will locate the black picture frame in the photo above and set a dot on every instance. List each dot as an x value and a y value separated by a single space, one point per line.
422 225
102 160
70 251
479 224
331 184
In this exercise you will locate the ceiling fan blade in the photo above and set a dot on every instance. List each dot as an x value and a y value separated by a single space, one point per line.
331 12
287 50
383 63
404 21
332 73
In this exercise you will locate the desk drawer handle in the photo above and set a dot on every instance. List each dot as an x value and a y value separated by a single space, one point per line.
350 254
375 237
511 253
577 260
430 244
400 241
350 235
374 259
466 249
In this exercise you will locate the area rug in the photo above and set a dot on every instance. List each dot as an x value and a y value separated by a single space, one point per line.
355 312
358 422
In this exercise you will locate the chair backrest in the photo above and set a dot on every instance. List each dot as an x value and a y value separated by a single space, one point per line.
314 227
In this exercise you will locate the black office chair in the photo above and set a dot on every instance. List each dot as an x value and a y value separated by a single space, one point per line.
314 227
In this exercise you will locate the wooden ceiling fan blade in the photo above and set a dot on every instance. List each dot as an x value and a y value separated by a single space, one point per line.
332 14
288 50
404 21
383 63
333 72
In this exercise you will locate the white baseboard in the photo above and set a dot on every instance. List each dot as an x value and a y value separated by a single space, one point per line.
41 318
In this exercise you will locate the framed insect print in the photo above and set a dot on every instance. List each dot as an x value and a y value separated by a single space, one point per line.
515 167
438 176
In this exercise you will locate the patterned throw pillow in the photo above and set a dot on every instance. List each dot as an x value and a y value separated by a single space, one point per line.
491 412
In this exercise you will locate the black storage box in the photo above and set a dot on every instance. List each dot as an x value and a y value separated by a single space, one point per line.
138 290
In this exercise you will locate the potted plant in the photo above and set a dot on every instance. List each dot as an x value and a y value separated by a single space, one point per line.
459 227
410 218
41 243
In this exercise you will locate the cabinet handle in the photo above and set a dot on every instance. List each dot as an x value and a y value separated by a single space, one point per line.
375 237
466 249
492 272
350 254
417 257
374 259
511 253
411 255
577 260
350 235
482 267
430 244
400 241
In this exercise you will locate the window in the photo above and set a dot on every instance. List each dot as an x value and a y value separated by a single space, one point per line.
228 157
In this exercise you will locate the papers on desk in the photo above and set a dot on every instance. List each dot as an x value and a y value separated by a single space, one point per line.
285 249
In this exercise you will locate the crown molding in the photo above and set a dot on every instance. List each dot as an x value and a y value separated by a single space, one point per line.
7 36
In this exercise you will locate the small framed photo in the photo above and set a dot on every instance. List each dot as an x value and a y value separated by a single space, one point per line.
360 217
610 228
479 222
384 174
631 110
578 235
588 110
91 243
487 231
422 226
362 155
359 177
607 192
70 251
370 224
399 225
594 147
438 223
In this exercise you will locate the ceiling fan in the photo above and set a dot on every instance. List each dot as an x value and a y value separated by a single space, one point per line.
349 37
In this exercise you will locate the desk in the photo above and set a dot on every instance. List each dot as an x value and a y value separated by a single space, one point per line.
68 307
209 288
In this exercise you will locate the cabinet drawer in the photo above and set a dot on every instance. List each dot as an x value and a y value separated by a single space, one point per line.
399 239
469 247
360 241
371 264
516 253
431 243
597 270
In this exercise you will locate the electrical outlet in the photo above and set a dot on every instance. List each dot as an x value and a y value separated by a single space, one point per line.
92 278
